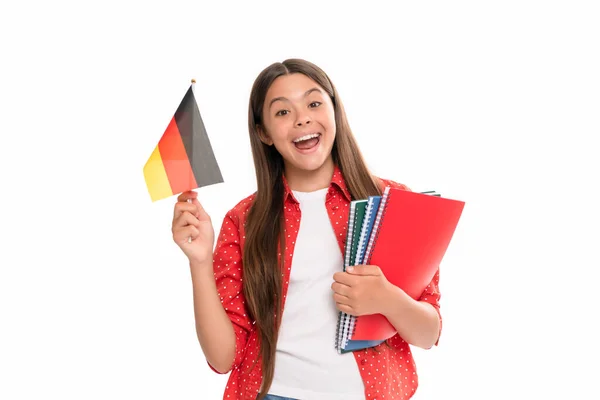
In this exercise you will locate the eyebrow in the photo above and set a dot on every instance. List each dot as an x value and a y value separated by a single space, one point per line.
305 94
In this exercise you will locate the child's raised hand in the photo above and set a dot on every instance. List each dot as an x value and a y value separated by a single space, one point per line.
192 228
361 290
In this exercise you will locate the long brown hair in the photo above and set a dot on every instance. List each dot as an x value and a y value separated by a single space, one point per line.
264 226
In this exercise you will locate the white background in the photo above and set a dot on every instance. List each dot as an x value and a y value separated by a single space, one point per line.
493 103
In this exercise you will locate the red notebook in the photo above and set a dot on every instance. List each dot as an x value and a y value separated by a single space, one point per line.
411 234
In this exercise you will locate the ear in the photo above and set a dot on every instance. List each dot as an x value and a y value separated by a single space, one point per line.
262 135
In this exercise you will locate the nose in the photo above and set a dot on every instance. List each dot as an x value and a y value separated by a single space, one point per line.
302 120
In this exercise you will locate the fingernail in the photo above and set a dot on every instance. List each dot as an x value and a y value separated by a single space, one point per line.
350 269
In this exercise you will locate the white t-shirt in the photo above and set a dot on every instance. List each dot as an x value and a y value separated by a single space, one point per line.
307 365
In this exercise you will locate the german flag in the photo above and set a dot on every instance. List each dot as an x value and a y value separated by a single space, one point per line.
183 159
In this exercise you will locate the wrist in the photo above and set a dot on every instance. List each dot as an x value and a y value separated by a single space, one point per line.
201 267
395 299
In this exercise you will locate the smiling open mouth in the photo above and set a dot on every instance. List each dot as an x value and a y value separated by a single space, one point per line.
308 141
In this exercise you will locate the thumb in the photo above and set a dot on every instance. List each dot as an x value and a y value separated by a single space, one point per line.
363 270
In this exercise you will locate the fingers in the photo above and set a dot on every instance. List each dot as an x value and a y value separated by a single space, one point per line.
341 297
182 207
364 270
190 194
344 278
341 289
338 298
345 308
185 228
188 201
185 218
183 234
188 217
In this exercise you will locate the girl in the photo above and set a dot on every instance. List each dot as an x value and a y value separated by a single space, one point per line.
281 249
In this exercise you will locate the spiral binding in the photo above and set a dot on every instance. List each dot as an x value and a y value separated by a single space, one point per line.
372 240
378 219
349 234
342 316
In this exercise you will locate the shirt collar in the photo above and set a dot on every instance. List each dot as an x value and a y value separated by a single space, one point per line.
337 182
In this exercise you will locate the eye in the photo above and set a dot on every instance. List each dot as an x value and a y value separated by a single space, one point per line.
314 104
281 112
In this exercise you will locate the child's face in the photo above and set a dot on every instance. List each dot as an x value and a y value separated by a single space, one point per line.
297 107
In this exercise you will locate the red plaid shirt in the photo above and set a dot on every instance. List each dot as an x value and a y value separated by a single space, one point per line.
388 373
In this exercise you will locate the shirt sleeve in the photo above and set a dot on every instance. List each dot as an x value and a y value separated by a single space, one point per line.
394 185
227 266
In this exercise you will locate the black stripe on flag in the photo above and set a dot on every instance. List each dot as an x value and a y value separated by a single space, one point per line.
196 142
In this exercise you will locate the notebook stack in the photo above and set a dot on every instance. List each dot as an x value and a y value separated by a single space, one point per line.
405 234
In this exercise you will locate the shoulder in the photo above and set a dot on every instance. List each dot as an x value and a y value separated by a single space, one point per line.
238 213
392 184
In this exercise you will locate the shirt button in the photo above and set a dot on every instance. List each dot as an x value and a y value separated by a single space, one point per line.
363 361
334 207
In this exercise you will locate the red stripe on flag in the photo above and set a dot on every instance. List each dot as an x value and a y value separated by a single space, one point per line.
175 159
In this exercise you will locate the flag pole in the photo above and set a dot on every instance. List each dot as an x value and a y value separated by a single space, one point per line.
194 92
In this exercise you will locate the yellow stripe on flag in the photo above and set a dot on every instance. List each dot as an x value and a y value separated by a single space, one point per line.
156 177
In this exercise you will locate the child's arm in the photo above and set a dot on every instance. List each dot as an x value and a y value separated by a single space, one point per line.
223 324
418 322
213 327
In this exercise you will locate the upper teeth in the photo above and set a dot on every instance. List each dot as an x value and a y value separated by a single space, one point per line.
314 135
